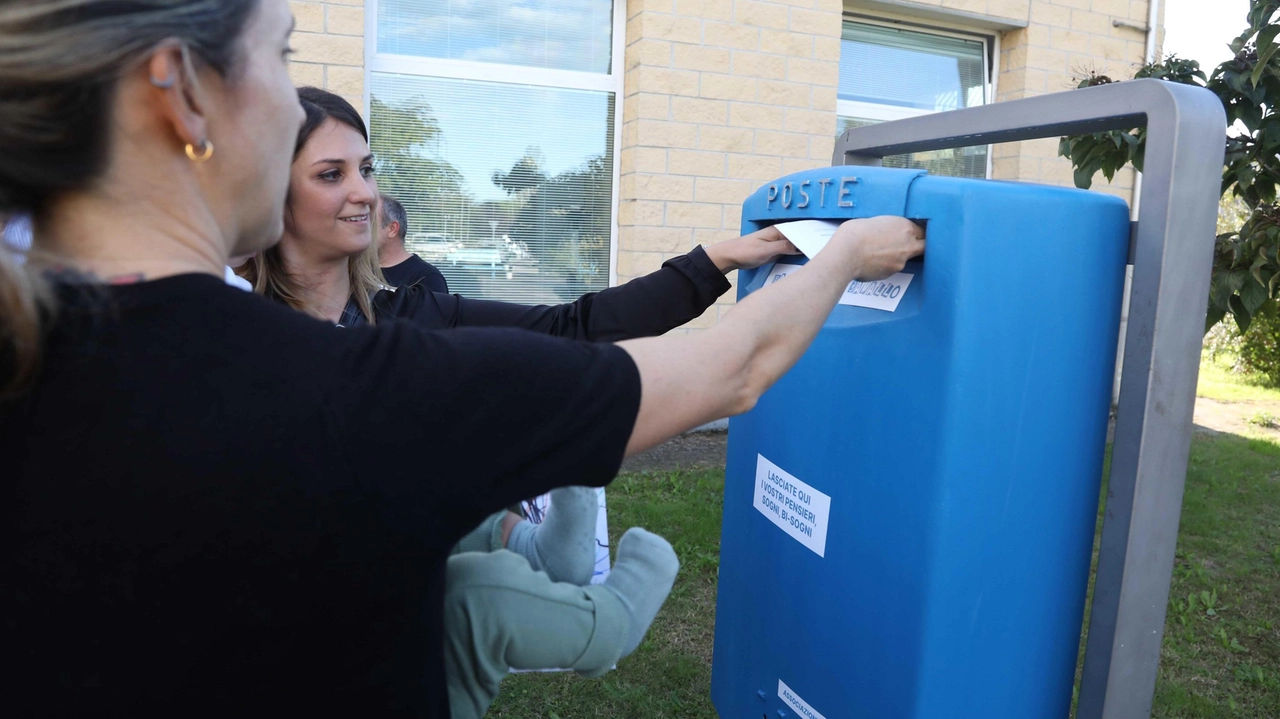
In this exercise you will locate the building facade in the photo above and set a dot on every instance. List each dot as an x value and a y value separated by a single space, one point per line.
546 148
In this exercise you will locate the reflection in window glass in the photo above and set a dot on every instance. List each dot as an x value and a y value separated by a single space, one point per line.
902 68
958 162
508 188
553 34
889 73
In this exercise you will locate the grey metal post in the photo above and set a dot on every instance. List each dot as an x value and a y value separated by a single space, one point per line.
1172 261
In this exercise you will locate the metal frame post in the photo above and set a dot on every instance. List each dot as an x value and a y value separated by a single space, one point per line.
1172 258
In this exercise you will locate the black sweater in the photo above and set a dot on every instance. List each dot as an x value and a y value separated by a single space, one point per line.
681 290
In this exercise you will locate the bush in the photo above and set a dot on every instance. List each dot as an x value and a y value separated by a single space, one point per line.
1255 352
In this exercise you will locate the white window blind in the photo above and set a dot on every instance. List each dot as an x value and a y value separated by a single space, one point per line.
494 124
889 73
552 34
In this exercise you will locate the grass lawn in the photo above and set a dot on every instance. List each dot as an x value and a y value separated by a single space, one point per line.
1217 381
1221 655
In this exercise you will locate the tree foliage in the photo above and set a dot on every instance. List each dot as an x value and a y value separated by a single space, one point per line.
404 140
563 220
525 174
566 220
1246 270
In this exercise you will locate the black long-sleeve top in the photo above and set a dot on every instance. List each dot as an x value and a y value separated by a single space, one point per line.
680 291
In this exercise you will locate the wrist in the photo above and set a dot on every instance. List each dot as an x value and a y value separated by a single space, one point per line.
722 257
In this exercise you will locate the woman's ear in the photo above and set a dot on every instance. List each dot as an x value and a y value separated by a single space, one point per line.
183 100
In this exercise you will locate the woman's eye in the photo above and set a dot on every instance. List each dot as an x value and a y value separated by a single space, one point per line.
330 176
367 171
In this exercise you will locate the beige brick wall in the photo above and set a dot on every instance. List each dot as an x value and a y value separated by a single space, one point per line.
720 95
329 40
1063 41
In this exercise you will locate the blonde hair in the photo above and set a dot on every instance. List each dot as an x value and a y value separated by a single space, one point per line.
60 61
271 278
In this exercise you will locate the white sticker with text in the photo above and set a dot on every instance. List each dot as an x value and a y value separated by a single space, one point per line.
793 700
881 295
798 509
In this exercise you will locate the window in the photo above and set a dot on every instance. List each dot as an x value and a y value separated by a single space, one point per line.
891 73
494 124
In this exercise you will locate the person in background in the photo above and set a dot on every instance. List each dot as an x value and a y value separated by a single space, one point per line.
325 266
401 267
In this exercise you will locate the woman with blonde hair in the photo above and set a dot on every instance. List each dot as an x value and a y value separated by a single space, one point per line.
195 526
326 264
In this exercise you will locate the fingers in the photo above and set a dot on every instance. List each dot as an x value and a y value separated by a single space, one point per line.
881 246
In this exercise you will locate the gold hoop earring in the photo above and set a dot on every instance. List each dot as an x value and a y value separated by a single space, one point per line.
205 153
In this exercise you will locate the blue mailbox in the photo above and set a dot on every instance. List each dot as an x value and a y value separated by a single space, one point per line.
909 513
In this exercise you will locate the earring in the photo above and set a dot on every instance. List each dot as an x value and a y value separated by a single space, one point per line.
162 84
206 151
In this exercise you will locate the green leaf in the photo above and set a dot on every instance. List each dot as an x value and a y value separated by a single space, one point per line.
1084 177
1264 57
1214 316
1256 269
1246 175
1266 38
1238 44
1239 313
1252 295
1234 280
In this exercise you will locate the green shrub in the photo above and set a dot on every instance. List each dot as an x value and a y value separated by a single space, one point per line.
1255 353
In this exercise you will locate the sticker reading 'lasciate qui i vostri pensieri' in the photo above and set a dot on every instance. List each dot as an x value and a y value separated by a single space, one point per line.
796 508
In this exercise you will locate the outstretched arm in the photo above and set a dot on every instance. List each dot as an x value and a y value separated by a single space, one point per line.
690 380
680 291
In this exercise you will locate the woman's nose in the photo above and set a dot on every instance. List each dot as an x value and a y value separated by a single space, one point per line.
362 193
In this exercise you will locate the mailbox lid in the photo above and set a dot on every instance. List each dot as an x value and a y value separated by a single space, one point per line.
845 192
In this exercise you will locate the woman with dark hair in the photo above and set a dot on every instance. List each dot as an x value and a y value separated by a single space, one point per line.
326 262
196 525
326 265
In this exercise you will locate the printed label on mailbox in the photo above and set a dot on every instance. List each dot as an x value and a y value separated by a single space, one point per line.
882 295
797 508
794 701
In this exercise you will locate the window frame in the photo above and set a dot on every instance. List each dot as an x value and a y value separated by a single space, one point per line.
884 113
529 76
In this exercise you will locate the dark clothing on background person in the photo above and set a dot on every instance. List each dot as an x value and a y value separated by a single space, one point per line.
209 510
646 306
416 271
